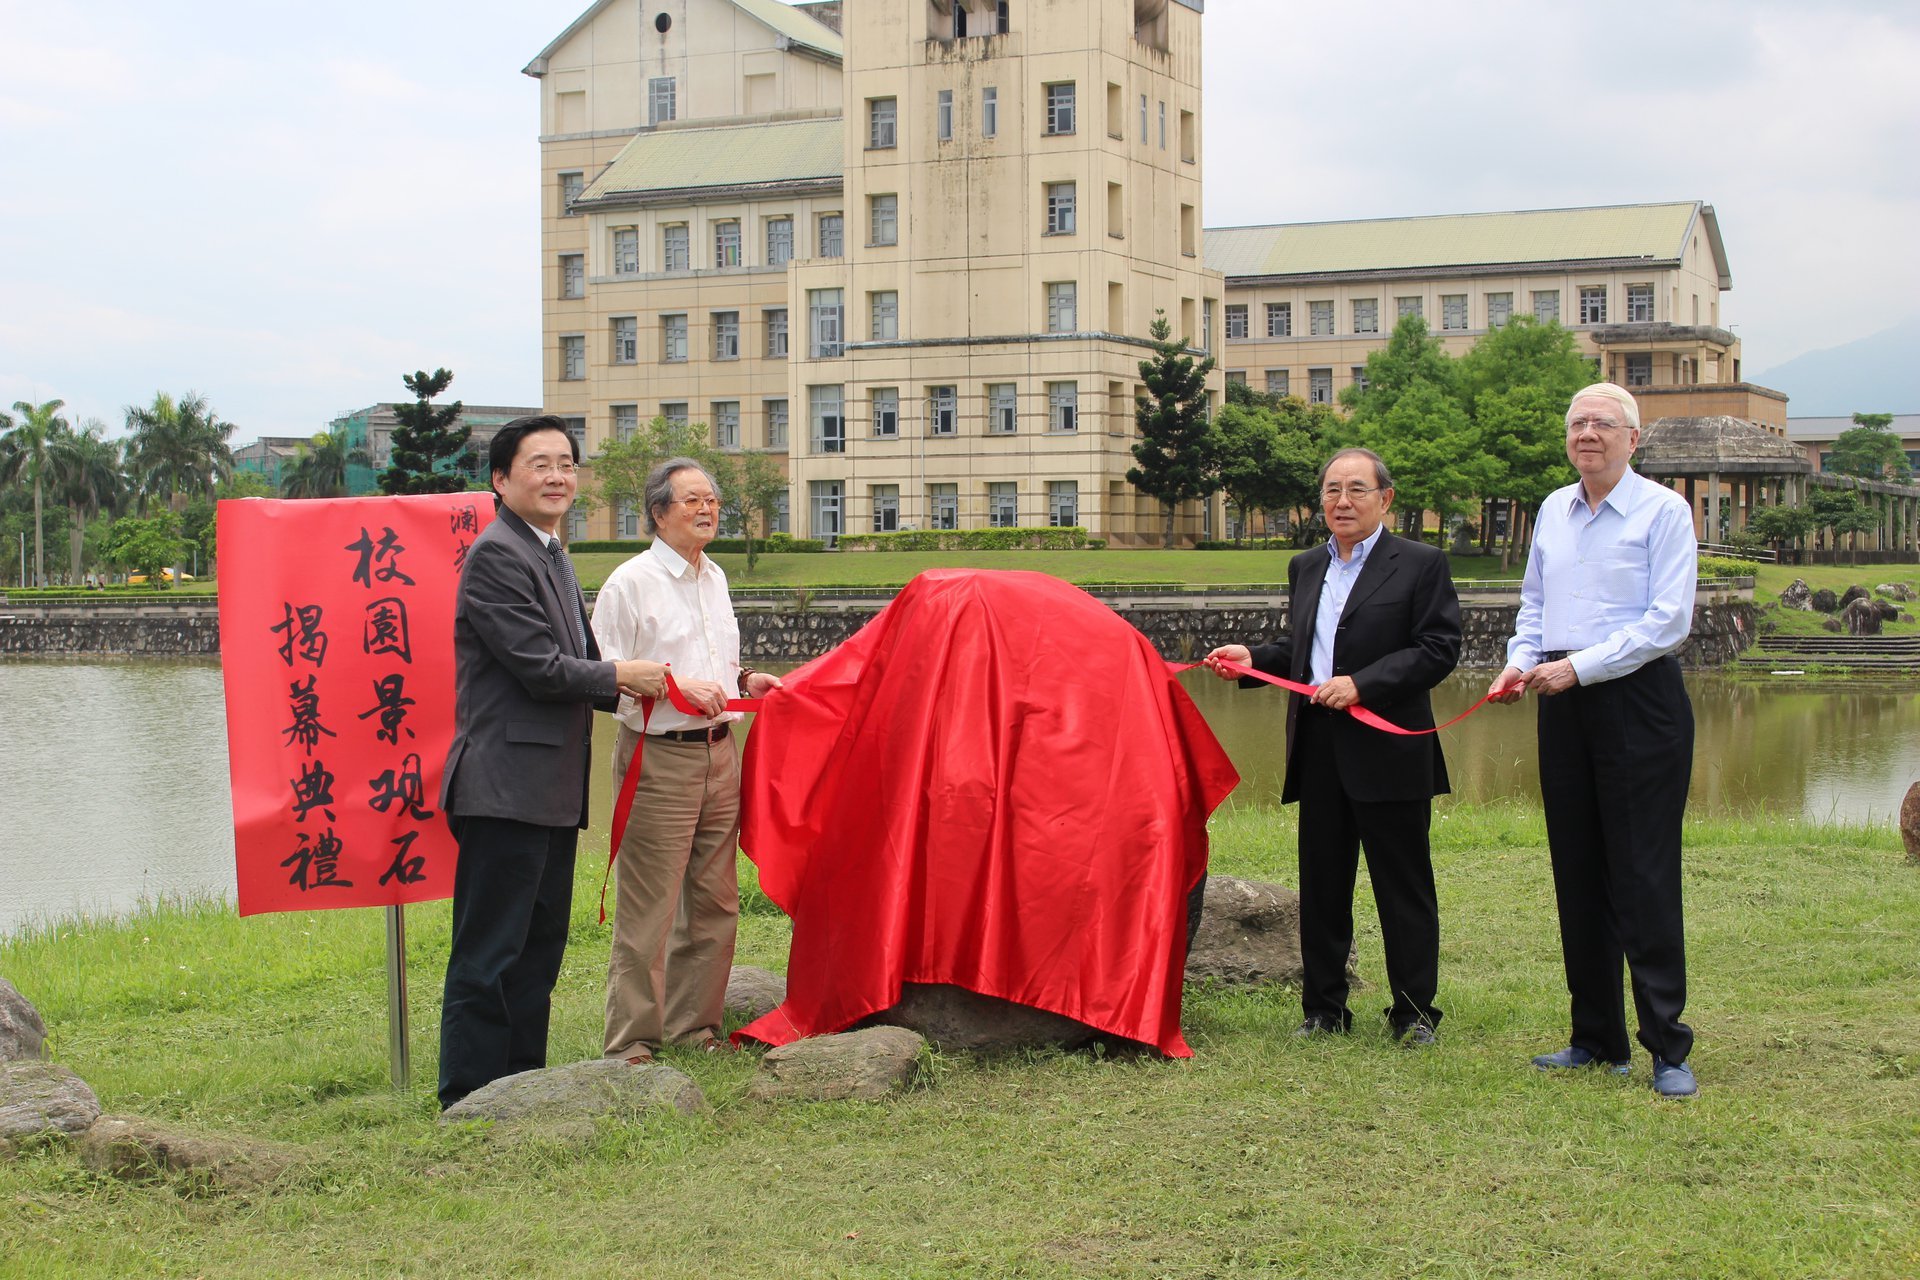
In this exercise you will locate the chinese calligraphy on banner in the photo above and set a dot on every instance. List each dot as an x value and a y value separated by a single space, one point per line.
336 643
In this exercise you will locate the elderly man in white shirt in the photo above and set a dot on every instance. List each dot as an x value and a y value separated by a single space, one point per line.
677 902
1607 598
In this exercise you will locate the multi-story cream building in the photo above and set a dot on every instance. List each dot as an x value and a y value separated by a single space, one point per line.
916 247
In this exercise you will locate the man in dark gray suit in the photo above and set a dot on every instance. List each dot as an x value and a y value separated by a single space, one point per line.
527 675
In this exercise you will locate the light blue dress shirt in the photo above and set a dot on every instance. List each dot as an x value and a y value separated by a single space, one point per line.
1334 589
1614 585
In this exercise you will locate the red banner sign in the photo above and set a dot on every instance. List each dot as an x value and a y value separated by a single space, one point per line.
336 644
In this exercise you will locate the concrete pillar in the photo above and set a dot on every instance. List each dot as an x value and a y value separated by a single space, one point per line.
1713 508
1693 506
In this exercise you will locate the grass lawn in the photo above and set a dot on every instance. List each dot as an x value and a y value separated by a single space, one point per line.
1771 579
1259 1156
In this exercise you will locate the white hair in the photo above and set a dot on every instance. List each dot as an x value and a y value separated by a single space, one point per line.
1609 391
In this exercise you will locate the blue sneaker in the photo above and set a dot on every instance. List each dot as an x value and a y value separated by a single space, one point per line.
1574 1057
1673 1079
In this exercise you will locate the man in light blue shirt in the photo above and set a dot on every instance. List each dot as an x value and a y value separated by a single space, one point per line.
1607 598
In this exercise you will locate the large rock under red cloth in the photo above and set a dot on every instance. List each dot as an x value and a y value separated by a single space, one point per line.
997 784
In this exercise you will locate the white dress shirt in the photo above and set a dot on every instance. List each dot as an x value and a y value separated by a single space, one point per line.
1334 590
658 607
1612 585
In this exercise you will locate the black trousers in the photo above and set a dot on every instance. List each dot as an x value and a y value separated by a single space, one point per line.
1333 829
512 898
1614 764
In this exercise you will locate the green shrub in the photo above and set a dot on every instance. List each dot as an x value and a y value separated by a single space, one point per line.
772 544
1072 538
1725 567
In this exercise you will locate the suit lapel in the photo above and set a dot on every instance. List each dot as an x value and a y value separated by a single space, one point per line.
1381 563
1306 612
559 611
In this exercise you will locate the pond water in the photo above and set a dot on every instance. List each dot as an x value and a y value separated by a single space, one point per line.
113 775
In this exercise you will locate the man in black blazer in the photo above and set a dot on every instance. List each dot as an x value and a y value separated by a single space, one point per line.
527 676
1375 621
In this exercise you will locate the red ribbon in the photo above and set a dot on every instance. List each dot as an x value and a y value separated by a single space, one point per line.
623 807
1357 711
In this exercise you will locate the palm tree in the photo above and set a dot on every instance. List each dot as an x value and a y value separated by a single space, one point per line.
178 451
87 477
29 458
320 468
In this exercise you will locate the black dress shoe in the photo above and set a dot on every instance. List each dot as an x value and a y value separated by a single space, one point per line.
1416 1035
1317 1025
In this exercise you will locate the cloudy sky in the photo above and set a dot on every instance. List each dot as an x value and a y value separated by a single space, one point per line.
286 207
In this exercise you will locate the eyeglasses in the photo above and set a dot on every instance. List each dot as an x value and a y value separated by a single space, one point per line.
1351 492
1603 425
541 468
692 503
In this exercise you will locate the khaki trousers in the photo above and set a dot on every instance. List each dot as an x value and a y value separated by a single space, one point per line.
677 899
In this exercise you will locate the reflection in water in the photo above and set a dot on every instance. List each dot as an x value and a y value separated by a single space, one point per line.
1837 751
113 776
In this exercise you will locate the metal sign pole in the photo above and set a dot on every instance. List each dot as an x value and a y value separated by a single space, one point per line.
398 1053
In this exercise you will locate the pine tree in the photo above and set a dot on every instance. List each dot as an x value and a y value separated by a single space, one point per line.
1177 451
425 438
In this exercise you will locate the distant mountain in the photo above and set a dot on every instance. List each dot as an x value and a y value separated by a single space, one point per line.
1875 374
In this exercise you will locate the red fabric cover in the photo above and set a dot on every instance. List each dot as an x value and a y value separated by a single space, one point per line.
997 783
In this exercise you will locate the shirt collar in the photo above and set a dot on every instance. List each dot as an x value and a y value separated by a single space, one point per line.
674 563
1359 552
1623 497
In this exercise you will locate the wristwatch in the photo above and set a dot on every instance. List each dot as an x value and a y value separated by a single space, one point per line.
745 671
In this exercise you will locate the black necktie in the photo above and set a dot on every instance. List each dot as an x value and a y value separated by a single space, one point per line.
570 587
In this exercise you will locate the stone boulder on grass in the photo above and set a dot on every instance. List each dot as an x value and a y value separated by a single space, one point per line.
137 1151
753 993
579 1091
1798 595
43 1097
863 1066
1824 601
1852 593
1910 823
22 1033
1249 934
1861 617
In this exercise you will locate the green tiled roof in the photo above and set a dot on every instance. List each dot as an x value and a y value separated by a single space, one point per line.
1657 231
796 26
736 155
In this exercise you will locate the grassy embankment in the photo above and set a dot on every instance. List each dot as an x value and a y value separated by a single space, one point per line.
1259 1155
1771 579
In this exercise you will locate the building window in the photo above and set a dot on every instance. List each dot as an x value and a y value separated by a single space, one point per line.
1320 386
1593 304
886 411
1062 297
1003 504
673 339
884 316
726 244
823 323
1063 503
1059 108
1002 19
675 411
832 239
1320 318
782 518
886 507
1404 307
1499 309
943 116
829 426
660 100
776 322
626 251
943 404
676 252
626 340
1453 311
826 509
883 220
779 241
726 424
989 112
1060 208
627 516
1277 383
1546 305
573 357
1003 408
572 183
1189 239
1206 324
1359 375
726 335
1279 319
1163 126
1189 142
1236 377
1143 119
1236 320
573 275
626 421
1640 369
1366 315
1063 406
1640 303
776 423
880 123
943 506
